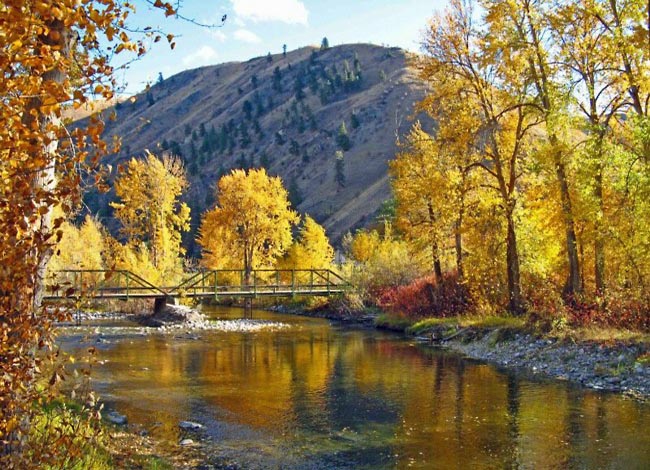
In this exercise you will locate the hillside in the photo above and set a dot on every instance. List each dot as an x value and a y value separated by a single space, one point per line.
283 113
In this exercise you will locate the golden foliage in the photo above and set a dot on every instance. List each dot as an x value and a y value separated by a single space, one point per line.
541 187
250 226
152 216
382 260
312 249
52 55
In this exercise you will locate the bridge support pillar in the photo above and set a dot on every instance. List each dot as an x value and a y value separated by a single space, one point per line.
160 302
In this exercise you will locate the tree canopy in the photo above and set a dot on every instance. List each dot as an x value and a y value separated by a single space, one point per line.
251 223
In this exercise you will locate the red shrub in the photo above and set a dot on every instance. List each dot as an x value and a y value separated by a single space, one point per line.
620 311
424 297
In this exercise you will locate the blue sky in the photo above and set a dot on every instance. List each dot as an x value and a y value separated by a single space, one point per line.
256 27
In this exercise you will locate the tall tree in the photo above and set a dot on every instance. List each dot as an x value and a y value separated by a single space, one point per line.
520 29
251 223
55 55
461 68
312 249
150 210
429 184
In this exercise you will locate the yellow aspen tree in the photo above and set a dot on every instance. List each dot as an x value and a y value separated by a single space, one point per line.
251 223
462 68
520 29
429 185
312 249
150 211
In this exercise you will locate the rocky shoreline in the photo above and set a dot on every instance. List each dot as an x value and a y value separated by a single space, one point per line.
616 367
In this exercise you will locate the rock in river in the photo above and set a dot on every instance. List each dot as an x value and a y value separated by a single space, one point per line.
190 426
116 418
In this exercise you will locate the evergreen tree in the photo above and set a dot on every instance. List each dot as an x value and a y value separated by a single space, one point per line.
342 139
357 64
248 110
244 138
354 121
298 87
339 175
295 195
325 44
264 160
294 148
254 81
277 80
284 50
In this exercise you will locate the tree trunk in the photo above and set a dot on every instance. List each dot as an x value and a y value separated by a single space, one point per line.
459 248
573 285
515 300
599 248
248 265
45 181
437 266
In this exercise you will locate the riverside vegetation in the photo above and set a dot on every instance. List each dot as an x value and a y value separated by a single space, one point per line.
528 204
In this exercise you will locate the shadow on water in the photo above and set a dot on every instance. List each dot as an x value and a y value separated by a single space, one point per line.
316 395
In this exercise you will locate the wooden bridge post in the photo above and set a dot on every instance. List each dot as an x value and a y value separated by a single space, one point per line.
293 282
215 285
328 282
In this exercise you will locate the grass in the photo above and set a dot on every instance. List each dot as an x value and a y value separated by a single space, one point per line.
393 322
489 322
602 334
63 435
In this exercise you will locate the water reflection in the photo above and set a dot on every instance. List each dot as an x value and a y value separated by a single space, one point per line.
318 396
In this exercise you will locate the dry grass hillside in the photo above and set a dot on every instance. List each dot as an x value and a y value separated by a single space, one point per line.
283 113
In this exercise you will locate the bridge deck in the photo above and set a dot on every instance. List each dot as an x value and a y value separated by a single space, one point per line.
124 285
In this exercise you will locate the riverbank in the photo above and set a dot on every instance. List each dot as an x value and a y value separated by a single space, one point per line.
617 366
614 361
237 389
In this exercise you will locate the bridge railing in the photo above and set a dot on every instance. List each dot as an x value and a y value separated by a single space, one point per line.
100 283
232 282
104 284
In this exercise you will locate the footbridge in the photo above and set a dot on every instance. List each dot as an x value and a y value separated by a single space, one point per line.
77 284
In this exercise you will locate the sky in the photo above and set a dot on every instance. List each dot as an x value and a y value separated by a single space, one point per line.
255 27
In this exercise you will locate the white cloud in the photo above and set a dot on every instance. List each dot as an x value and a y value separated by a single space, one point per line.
203 56
245 35
285 11
218 35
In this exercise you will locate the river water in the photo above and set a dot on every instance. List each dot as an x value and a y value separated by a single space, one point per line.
309 394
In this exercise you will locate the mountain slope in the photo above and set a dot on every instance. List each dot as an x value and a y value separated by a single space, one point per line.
283 113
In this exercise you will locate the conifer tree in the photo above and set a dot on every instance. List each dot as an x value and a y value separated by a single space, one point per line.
342 138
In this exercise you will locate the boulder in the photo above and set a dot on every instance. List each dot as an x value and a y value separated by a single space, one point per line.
116 418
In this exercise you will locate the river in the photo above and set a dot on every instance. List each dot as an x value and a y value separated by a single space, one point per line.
310 394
